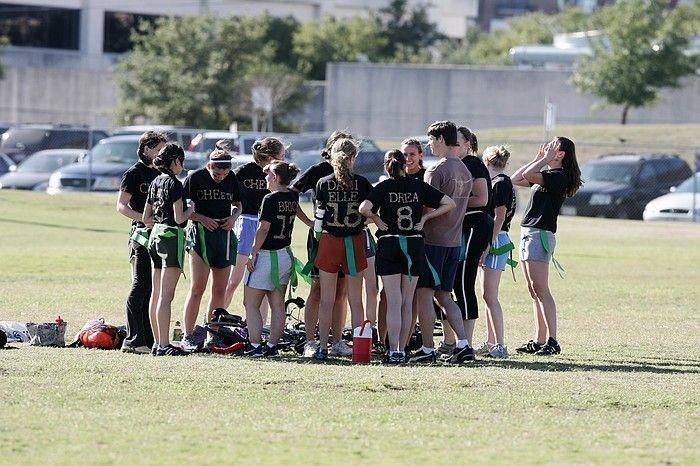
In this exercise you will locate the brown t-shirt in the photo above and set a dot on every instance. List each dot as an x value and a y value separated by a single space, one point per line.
451 177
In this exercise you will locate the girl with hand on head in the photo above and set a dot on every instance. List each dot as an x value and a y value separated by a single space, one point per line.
496 158
271 263
550 187
399 202
165 212
217 197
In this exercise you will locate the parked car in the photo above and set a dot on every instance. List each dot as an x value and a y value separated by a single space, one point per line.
678 204
6 164
369 162
180 135
620 186
21 141
35 170
104 166
205 142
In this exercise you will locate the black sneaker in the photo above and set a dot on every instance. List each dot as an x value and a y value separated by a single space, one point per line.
421 356
395 357
170 350
549 348
251 351
459 355
271 352
154 349
531 347
321 355
378 349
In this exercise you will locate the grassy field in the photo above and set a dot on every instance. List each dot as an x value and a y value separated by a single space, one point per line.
625 390
591 140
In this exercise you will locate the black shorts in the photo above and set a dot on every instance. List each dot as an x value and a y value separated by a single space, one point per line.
391 259
218 248
168 246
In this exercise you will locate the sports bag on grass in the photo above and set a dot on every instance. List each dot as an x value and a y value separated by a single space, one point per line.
47 334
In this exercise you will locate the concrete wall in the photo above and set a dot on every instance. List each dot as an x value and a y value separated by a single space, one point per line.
401 100
57 95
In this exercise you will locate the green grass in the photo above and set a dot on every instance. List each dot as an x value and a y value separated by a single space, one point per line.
625 390
591 140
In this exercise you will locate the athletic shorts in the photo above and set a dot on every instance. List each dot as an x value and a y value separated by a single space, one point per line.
531 248
135 247
444 261
370 244
245 228
168 247
332 257
498 262
261 278
311 243
391 259
217 248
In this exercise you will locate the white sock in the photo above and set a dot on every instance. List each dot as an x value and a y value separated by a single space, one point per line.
462 343
425 349
255 345
270 345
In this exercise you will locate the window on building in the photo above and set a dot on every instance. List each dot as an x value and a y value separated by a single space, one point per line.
118 27
40 26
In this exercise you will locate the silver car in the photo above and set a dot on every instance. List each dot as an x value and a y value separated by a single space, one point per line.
678 205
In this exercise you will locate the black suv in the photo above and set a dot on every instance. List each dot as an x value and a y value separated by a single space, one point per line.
21 141
620 186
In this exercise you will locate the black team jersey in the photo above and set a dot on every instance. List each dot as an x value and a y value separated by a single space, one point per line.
342 217
252 179
400 203
546 200
309 179
279 208
163 192
212 199
136 181
504 195
478 170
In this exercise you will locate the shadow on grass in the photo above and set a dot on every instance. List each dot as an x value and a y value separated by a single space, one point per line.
53 225
555 365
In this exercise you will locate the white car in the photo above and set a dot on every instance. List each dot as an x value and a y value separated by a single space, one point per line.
677 205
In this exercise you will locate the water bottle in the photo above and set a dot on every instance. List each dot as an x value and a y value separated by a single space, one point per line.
177 331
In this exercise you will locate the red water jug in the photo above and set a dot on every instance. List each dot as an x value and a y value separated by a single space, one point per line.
362 343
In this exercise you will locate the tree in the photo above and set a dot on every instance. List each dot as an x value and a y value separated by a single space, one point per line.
329 40
644 53
481 48
196 71
409 33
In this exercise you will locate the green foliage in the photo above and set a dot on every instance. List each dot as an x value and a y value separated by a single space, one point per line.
330 40
409 32
481 48
196 71
644 53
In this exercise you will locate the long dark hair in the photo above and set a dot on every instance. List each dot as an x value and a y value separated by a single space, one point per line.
167 155
394 163
570 165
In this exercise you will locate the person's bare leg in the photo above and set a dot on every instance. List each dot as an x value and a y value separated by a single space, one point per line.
219 281
538 311
426 314
454 314
311 310
328 292
237 272
371 291
340 308
539 280
168 283
199 275
490 281
252 297
354 289
153 303
277 314
408 288
392 286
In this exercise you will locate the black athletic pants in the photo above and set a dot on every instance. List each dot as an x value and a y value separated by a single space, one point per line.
477 236
139 332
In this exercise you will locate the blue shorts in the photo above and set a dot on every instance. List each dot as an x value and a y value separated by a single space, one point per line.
498 262
444 261
245 228
531 247
370 244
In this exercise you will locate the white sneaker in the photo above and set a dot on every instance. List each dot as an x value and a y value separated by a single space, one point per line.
340 348
310 348
484 349
498 351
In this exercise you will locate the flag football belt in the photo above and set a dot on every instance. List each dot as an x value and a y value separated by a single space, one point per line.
297 268
403 245
140 235
545 244
506 249
165 231
200 235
